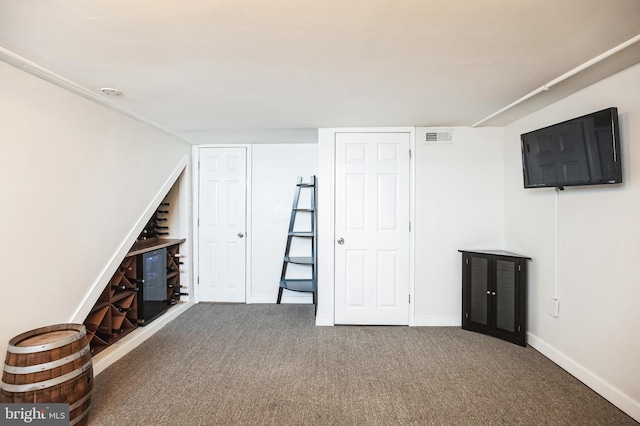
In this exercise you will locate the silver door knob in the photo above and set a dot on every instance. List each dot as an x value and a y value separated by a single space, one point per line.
340 241
240 235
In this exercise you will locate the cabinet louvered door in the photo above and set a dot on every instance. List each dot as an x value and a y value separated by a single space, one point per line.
479 285
505 295
494 294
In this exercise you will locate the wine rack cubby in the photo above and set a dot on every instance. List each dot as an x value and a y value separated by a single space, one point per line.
173 275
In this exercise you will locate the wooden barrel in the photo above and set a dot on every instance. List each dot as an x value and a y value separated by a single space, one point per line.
50 365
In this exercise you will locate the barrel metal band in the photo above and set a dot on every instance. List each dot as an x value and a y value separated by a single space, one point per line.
80 402
46 383
53 345
80 417
47 365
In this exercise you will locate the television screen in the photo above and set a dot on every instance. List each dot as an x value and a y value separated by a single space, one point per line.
581 151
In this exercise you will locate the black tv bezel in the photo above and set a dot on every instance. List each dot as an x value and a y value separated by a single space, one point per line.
615 130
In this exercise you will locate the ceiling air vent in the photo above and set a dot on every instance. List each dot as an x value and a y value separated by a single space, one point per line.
440 136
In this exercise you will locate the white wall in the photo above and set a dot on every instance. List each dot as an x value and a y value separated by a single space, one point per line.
274 170
77 177
459 205
595 336
251 136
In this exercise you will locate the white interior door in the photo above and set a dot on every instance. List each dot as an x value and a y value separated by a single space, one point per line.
372 214
222 218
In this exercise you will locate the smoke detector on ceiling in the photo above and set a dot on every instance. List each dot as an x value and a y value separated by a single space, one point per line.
110 92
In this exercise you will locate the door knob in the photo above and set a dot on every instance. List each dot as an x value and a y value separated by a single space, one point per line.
240 235
340 241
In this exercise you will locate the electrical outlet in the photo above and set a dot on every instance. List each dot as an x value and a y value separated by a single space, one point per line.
554 308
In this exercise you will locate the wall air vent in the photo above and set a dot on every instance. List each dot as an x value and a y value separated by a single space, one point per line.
439 136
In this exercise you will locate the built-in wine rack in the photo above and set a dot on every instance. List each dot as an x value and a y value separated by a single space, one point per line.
115 314
157 226
175 291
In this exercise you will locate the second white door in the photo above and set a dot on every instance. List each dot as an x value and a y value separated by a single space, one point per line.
222 218
372 215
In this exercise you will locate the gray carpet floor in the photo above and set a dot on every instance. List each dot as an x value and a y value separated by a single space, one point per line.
222 364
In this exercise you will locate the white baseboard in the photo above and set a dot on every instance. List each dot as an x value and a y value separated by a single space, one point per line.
437 321
418 321
324 321
600 386
122 347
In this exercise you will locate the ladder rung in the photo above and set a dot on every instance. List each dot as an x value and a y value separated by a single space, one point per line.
300 260
298 285
302 234
304 209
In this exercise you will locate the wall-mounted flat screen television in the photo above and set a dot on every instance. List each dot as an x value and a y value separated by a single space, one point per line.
581 151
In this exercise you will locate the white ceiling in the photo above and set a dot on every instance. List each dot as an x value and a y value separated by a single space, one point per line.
199 68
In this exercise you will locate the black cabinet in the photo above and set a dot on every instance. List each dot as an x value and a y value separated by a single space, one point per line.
494 294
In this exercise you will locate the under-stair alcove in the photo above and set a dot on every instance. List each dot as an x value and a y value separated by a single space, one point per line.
112 312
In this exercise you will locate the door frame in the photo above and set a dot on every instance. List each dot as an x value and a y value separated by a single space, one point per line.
326 218
195 194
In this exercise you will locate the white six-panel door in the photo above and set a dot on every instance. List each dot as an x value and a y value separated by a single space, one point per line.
222 217
372 213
